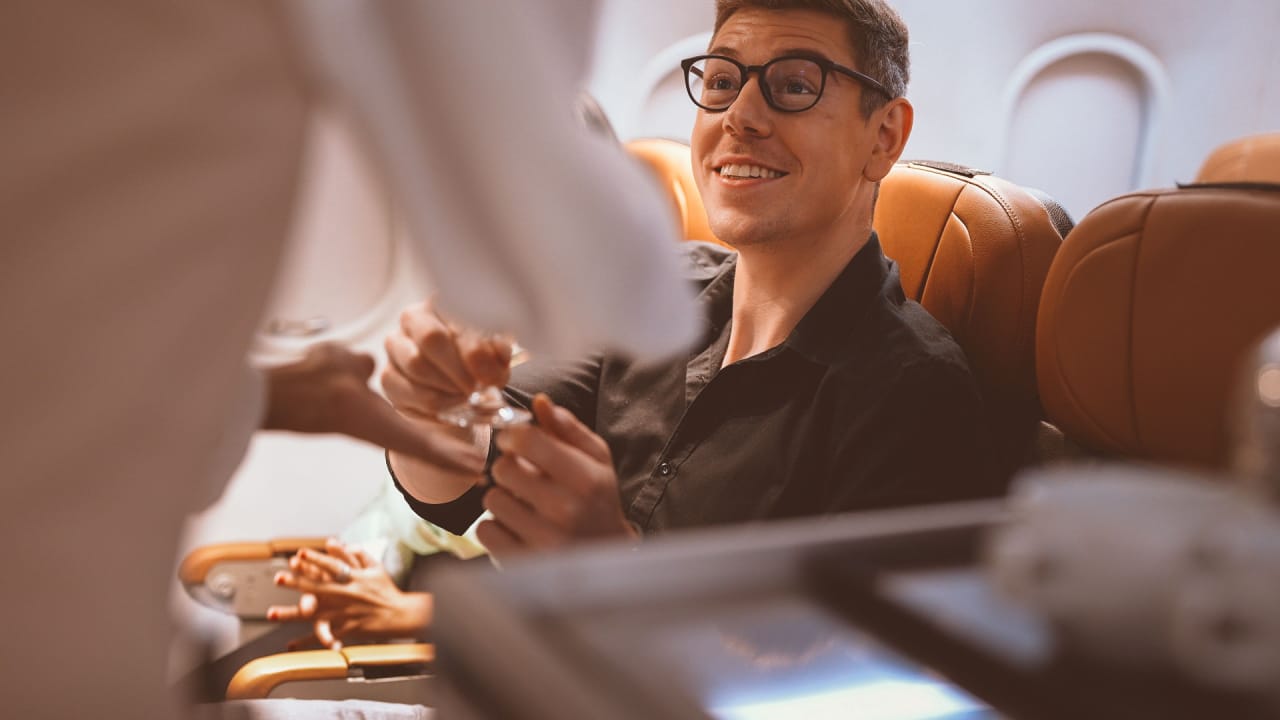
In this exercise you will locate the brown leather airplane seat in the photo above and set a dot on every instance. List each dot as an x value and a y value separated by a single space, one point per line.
974 250
1152 305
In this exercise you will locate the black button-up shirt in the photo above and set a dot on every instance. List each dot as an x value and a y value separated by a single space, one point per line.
869 403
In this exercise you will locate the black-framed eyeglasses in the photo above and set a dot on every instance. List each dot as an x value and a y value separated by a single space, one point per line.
790 83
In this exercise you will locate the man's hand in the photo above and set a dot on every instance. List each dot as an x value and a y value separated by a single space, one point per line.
328 392
435 365
555 484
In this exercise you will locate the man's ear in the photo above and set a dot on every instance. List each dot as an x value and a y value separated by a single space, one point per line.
893 126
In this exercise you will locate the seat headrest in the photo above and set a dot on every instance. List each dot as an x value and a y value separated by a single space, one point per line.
1253 159
669 161
1148 313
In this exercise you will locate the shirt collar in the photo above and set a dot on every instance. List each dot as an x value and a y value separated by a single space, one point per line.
717 294
828 333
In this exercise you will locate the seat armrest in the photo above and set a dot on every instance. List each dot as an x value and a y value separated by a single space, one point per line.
353 665
237 578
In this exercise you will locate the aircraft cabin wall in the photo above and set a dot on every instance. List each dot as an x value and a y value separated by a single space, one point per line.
1084 100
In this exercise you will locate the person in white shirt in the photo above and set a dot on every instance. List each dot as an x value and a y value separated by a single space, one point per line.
151 150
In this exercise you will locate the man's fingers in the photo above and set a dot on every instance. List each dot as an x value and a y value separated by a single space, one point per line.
487 359
422 371
521 520
527 483
498 540
414 399
435 348
565 464
570 429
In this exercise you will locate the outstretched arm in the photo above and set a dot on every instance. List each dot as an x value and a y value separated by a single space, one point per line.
327 391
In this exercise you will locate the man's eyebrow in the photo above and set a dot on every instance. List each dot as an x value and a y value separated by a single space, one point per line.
805 53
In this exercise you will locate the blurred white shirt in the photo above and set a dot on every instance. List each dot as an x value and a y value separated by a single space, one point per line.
150 151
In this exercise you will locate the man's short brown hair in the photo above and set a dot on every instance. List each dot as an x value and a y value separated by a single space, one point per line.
877 33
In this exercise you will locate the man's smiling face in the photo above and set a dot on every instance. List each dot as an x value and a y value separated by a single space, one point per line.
767 175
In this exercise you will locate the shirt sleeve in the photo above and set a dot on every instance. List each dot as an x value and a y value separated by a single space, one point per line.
925 441
572 385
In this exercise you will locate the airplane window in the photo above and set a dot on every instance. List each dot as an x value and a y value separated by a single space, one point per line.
1096 109
338 268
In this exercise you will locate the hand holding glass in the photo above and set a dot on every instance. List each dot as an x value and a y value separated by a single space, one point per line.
486 406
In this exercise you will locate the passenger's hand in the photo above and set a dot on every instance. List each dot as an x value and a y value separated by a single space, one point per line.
328 392
435 365
555 484
347 595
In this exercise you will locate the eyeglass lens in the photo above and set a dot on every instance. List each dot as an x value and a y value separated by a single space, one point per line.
790 84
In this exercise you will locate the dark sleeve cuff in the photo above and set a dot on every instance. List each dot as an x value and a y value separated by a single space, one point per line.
455 516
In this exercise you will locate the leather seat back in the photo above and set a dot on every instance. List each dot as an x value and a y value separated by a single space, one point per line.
974 250
1152 305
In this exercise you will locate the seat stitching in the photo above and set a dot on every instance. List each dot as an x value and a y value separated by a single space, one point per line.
1020 340
1133 292
1067 389
973 268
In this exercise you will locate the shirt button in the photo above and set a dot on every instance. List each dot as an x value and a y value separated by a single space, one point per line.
665 469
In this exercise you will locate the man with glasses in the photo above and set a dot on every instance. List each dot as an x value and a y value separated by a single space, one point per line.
816 387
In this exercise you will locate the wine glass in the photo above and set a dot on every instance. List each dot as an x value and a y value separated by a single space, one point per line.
487 406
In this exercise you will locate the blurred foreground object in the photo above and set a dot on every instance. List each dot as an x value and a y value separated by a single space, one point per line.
890 611
1257 421
1148 570
151 152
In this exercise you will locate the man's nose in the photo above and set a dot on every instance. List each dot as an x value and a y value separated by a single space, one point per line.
750 113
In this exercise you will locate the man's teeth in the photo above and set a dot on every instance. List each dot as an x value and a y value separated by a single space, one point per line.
748 171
